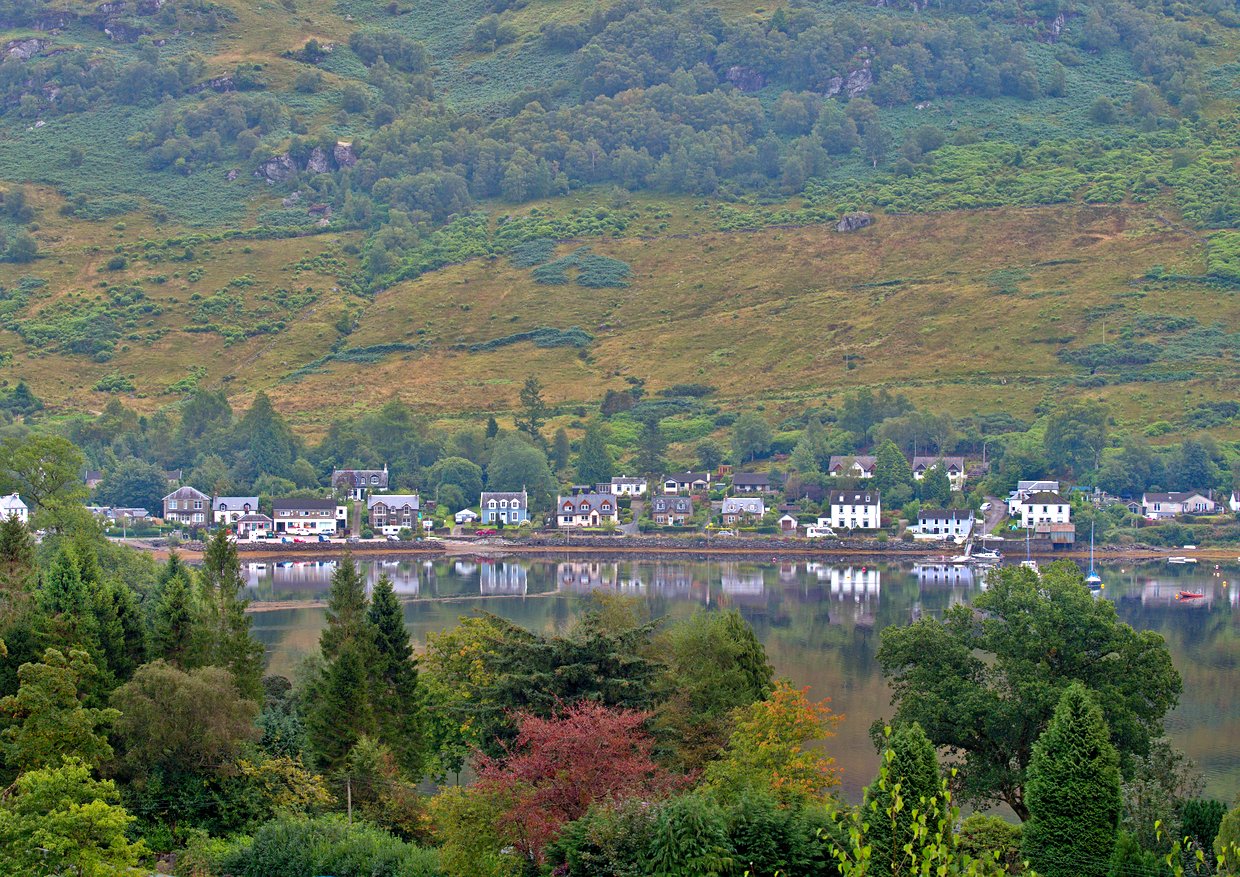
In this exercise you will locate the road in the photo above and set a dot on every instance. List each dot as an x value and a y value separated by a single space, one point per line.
996 513
631 529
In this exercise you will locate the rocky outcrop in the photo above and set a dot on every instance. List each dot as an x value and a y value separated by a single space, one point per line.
24 50
856 83
317 162
854 221
344 155
276 169
745 78
290 200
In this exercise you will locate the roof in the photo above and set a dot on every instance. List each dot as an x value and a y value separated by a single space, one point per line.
360 478
865 461
93 475
750 478
1037 485
854 497
688 477
253 519
186 493
745 505
510 495
584 503
173 474
394 500
1173 496
12 501
1046 497
234 503
680 505
929 462
299 505
627 479
945 514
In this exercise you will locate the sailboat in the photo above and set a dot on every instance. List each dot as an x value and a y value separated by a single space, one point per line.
1028 562
1093 579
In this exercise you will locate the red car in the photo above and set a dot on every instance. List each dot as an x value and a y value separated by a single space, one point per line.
485 532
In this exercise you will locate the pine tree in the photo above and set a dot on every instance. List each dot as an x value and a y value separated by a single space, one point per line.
912 764
891 468
650 447
935 486
1073 792
172 624
560 449
122 636
17 570
224 638
594 462
66 601
394 681
340 712
535 410
346 609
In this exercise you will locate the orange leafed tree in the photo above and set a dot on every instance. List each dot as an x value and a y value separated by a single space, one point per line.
768 748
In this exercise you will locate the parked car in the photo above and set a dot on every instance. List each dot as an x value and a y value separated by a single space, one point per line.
485 532
392 537
324 538
813 531
353 540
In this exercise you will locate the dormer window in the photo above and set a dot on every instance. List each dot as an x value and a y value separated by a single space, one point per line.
491 504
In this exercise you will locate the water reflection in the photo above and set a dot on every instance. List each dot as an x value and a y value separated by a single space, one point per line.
819 621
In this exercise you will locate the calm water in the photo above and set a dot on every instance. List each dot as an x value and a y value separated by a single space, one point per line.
819 622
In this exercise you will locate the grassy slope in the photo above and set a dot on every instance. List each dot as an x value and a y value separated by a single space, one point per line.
764 316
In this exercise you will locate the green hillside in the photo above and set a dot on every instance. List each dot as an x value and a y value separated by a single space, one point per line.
428 200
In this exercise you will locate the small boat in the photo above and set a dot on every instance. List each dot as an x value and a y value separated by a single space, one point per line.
1029 562
960 558
1188 595
1093 579
1180 559
987 555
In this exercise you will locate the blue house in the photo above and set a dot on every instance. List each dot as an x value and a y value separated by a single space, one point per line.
508 507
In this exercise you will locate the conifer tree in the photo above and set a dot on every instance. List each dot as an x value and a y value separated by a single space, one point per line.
122 635
394 681
17 570
911 762
172 623
66 602
594 462
1073 792
560 449
346 609
224 638
340 712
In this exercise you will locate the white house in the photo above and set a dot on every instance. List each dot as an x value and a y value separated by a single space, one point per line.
954 466
357 483
185 505
788 525
1023 490
11 506
856 509
1161 506
945 523
309 517
739 509
392 512
254 526
1233 501
623 485
585 510
1044 507
687 482
227 510
465 516
859 466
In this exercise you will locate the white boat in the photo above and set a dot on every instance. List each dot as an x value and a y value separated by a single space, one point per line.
987 555
1177 558
1093 579
1028 562
960 558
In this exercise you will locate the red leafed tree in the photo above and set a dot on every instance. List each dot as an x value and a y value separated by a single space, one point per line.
561 765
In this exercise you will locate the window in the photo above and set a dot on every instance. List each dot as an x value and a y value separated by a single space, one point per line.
503 503
197 504
374 479
491 504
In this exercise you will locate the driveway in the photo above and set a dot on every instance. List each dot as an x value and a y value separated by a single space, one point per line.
631 529
996 513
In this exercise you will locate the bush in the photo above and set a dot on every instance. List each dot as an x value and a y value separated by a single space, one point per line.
292 847
985 836
368 533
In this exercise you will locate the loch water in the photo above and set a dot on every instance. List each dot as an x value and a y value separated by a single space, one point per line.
819 621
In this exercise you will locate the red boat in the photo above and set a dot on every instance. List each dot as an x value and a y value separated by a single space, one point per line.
1188 595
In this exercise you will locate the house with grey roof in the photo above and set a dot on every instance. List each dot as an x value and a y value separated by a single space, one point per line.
512 508
855 466
390 513
357 483
227 510
671 510
742 509
586 510
187 506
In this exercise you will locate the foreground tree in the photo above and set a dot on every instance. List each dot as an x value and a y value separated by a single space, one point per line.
1073 792
224 638
396 700
910 763
985 680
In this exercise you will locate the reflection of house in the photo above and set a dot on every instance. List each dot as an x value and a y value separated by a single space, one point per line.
671 510
742 509
1044 507
308 517
585 577
392 512
954 466
1160 506
671 580
585 510
509 507
227 510
955 575
741 582
502 578
857 582
856 510
860 466
358 482
185 505
11 506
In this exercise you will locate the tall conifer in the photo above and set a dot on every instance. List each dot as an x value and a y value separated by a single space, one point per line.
394 681
224 634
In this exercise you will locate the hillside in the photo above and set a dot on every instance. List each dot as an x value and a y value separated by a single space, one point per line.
342 203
